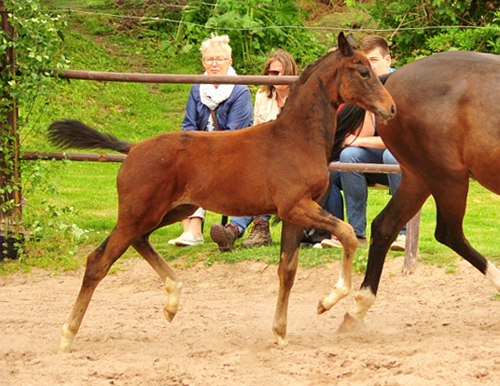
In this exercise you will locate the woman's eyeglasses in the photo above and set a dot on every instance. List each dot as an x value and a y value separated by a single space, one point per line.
219 61
274 72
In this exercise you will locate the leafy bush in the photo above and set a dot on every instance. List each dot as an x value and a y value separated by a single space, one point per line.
255 27
422 27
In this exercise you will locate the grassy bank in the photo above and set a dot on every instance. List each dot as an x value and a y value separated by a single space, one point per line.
74 207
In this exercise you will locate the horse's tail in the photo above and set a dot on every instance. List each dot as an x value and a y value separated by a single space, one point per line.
70 133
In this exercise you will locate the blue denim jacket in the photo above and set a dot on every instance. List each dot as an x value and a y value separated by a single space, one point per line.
234 113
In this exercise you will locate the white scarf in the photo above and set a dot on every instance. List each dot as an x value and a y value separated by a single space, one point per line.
211 96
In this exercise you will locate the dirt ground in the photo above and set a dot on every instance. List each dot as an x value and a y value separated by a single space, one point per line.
430 328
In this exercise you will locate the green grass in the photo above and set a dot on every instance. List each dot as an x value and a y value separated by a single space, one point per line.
86 200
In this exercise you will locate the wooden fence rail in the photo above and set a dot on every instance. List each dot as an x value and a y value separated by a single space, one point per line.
412 228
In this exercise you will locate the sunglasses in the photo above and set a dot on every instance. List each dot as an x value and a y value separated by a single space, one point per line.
274 72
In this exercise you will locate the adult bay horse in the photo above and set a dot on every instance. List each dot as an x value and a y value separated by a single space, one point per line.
447 130
274 168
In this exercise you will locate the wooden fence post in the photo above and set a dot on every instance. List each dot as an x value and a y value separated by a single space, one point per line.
9 126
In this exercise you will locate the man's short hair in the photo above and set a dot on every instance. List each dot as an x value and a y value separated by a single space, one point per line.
370 42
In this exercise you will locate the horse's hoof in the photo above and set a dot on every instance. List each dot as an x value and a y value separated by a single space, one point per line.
406 272
349 323
64 350
169 315
321 307
281 342
280 338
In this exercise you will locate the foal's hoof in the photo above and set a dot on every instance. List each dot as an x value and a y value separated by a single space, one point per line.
169 315
349 323
321 307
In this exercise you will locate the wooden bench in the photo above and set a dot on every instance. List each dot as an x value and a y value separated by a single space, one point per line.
413 226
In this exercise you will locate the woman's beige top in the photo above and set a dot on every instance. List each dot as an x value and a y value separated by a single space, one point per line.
265 109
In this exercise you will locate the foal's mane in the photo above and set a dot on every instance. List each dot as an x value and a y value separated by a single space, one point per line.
306 74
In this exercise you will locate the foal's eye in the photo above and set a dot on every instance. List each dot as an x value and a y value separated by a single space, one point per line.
365 74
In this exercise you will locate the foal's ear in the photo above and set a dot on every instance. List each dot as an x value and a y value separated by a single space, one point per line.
344 45
352 41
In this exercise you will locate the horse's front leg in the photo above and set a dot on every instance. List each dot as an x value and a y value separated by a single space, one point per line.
408 199
291 235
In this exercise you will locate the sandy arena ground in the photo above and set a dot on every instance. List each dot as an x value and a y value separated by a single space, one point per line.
430 328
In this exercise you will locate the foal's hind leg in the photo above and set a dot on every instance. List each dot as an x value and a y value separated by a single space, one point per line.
173 285
98 264
291 236
451 198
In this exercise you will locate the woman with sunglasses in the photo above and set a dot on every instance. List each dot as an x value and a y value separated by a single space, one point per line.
269 101
214 107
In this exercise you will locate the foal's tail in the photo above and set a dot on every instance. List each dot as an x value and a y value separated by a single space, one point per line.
70 133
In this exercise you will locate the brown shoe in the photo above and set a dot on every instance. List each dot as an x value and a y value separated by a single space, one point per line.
224 236
259 236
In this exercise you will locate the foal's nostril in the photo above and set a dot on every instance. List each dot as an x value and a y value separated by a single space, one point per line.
393 109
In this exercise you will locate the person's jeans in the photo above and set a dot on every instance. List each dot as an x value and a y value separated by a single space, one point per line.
335 202
355 185
243 222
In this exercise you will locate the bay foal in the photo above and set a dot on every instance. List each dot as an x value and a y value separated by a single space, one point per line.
278 167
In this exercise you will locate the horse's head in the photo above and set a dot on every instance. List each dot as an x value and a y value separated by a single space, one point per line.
358 84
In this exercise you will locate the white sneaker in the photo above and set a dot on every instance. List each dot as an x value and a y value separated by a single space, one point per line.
399 244
173 241
331 243
187 239
317 246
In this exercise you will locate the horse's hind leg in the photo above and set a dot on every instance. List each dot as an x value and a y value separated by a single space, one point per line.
451 199
98 264
291 236
172 284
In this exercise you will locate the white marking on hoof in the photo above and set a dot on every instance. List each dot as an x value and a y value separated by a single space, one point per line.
364 300
280 340
493 275
174 290
339 292
67 337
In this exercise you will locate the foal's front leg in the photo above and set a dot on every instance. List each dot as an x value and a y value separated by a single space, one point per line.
310 214
291 236
348 239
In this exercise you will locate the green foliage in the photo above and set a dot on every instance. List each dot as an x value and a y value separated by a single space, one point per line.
423 27
37 44
255 28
